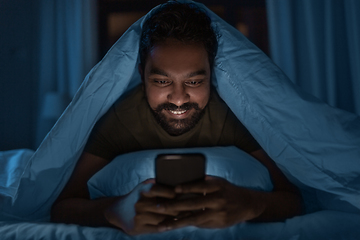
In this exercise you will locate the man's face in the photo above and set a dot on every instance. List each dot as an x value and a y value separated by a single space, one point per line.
177 84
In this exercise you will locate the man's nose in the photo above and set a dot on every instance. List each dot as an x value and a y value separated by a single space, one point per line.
178 95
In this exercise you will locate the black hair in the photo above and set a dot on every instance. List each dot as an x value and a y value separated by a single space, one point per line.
185 22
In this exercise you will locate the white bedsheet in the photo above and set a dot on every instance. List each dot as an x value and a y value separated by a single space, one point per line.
329 225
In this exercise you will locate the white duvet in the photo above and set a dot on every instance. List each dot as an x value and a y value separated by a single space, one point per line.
316 146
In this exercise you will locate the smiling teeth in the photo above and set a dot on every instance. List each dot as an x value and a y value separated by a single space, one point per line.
178 112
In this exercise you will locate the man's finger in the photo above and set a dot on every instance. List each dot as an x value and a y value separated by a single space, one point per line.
159 191
201 187
195 219
153 205
192 204
149 218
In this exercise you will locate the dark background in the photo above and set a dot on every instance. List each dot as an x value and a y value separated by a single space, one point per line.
19 52
249 16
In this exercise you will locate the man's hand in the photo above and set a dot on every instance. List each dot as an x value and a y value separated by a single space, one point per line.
219 204
138 212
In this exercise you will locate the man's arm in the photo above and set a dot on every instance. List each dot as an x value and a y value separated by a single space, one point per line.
285 200
73 204
134 213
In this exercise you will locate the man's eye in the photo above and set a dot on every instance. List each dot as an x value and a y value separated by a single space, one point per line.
161 82
193 83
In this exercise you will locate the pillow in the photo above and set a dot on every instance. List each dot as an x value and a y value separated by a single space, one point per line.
126 171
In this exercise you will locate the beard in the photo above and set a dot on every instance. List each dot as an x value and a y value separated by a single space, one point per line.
176 127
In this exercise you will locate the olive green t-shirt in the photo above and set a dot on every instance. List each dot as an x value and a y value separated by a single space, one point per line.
130 126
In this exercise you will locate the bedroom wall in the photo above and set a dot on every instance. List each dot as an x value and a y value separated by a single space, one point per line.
18 73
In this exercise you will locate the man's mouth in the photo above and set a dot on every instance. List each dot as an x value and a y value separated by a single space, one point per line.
178 112
176 120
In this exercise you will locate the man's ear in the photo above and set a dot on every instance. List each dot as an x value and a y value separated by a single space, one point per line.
141 72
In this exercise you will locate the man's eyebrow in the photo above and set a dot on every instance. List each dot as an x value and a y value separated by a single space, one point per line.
189 75
196 73
158 72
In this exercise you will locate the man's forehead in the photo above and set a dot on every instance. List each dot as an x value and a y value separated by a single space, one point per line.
158 71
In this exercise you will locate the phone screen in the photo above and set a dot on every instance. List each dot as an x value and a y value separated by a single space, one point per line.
175 169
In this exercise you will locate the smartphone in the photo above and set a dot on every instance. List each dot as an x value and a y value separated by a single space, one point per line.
174 169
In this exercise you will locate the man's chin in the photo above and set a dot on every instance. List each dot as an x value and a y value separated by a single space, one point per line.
176 128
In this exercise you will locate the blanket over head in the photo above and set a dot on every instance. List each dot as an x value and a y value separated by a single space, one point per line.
315 145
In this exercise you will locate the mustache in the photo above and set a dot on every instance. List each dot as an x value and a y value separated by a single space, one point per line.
173 107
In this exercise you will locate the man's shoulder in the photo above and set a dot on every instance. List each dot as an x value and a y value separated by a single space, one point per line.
220 112
216 105
130 102
216 99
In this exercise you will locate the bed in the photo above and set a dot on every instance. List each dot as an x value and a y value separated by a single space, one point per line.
315 145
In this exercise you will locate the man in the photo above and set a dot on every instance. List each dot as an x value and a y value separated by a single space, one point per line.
174 107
